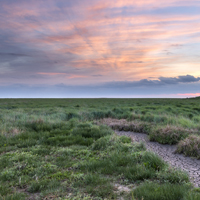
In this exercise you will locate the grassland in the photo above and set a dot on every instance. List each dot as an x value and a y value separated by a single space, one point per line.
54 149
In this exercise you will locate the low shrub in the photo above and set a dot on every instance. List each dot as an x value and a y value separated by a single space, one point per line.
168 134
190 146
124 125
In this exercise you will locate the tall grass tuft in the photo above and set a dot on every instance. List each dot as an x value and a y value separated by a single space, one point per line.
168 134
190 146
155 191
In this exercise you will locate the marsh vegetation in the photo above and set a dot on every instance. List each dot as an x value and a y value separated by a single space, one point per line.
63 148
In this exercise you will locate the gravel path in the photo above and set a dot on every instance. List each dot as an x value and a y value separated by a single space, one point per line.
192 166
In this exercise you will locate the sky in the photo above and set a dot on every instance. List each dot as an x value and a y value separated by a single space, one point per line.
99 48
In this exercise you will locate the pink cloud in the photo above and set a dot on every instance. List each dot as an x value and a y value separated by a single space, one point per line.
189 94
76 76
51 74
119 46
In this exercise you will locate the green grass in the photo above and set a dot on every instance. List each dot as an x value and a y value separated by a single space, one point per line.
168 134
54 148
155 191
190 146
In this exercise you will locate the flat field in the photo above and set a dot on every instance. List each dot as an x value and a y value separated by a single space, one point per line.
65 149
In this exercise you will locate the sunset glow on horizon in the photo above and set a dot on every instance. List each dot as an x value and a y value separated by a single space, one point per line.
99 48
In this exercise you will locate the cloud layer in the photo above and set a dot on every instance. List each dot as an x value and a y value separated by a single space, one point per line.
113 44
182 86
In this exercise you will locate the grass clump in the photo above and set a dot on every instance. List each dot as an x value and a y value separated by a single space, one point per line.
101 143
42 185
109 143
125 139
124 125
190 146
168 134
88 130
4 190
138 172
96 185
174 176
132 165
192 195
156 191
14 196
